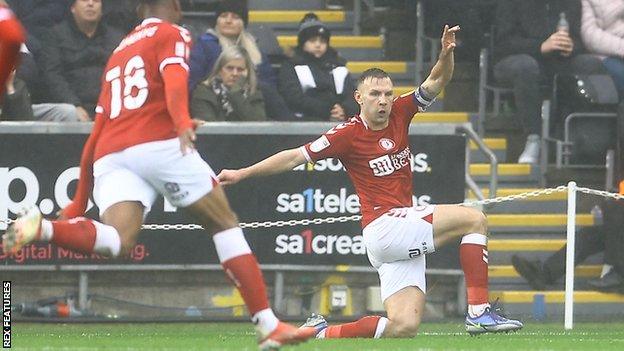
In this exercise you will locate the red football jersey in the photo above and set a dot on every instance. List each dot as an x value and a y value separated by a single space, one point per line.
11 38
132 98
377 161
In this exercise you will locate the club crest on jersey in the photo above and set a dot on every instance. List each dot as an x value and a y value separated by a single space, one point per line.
386 144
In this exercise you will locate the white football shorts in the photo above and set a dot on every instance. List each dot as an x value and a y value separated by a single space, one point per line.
396 244
141 172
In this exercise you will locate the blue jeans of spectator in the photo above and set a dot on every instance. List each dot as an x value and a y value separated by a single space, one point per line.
615 66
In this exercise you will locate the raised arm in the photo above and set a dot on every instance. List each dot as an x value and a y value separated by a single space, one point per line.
280 162
442 71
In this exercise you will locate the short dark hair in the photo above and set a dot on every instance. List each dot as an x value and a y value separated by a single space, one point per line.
373 73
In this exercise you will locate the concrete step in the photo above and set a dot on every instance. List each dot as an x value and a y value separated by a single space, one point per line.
586 303
294 17
556 296
537 248
401 72
353 48
508 271
509 174
533 223
516 245
305 5
497 145
339 41
441 117
286 22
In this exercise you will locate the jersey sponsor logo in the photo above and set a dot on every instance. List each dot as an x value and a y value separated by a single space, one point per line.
418 163
388 164
309 243
387 144
315 201
320 144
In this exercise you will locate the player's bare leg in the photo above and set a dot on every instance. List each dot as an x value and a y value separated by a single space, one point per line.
214 213
404 308
114 236
127 218
451 222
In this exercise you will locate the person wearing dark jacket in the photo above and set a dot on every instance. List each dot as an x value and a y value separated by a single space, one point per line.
230 93
534 40
38 16
315 82
232 18
74 55
17 105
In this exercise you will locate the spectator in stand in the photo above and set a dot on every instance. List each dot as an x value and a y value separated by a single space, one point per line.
230 93
232 16
532 44
17 106
18 103
74 55
121 14
315 82
607 236
602 30
38 16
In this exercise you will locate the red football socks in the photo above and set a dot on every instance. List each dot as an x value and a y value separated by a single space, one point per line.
77 234
246 275
242 268
473 256
366 327
82 235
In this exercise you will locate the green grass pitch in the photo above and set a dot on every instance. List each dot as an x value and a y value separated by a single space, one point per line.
237 336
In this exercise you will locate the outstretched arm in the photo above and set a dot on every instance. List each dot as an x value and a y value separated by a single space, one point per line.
442 72
280 162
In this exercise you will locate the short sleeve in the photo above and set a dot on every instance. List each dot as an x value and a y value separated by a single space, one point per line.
174 47
335 143
410 103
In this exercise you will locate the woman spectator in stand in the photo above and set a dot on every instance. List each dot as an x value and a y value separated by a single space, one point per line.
230 30
230 93
602 31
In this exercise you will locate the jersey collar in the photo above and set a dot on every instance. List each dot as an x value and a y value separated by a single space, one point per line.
151 20
363 122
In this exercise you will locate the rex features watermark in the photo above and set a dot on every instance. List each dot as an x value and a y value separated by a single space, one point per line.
6 314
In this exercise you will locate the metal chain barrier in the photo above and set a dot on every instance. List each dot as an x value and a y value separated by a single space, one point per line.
602 193
343 219
521 196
